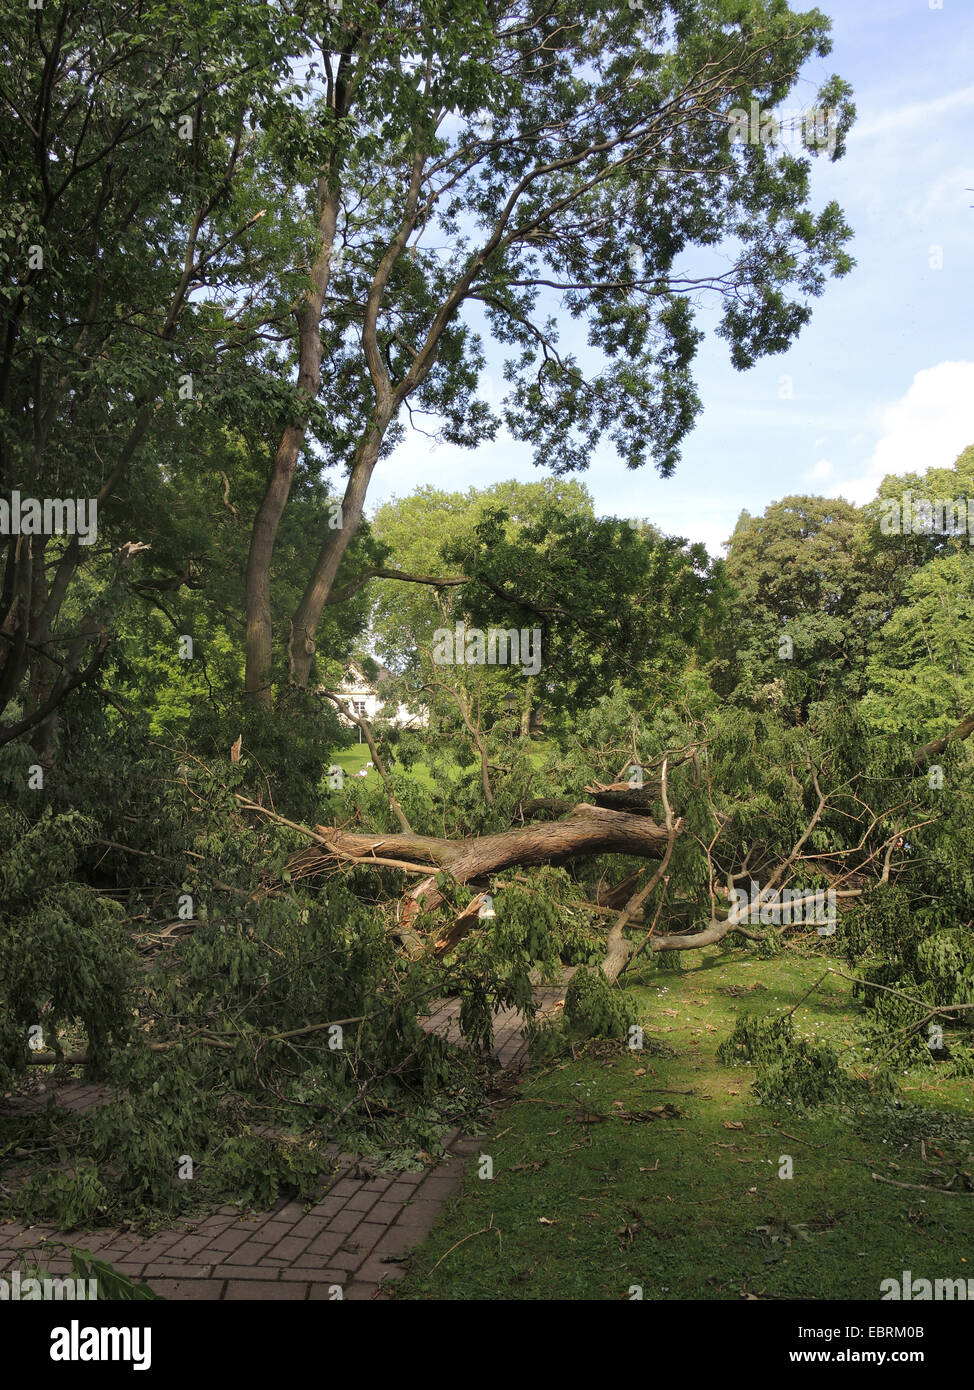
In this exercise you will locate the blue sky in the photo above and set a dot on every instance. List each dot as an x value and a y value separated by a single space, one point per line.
882 379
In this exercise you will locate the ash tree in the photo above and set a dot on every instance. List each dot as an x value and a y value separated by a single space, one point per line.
316 215
509 169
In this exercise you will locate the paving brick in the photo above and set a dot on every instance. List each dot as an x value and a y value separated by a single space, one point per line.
397 1241
322 1276
348 1259
126 1242
167 1238
328 1207
373 1271
212 1229
289 1213
150 1252
169 1271
226 1271
246 1254
310 1226
385 1212
273 1231
366 1234
258 1244
381 1183
344 1187
195 1289
361 1201
345 1221
187 1248
230 1240
289 1248
401 1192
419 1217
256 1290
326 1244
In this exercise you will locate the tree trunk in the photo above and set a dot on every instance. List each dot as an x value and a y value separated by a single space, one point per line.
43 670
588 830
257 682
301 647
960 732
527 709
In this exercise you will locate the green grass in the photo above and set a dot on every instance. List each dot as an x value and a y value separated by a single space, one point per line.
353 759
691 1206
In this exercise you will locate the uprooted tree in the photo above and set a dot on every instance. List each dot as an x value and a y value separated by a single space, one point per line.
797 845
244 966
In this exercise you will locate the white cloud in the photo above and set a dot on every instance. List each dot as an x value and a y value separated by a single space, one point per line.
695 517
820 470
926 428
948 193
420 460
916 115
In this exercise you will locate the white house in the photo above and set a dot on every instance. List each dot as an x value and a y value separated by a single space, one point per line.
364 696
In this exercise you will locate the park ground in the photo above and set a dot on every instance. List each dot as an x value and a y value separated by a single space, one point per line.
655 1173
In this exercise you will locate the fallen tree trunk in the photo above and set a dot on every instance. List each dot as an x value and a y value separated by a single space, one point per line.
957 734
588 830
618 796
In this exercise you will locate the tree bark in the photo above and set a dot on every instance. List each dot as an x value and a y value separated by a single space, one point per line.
527 708
301 647
636 800
933 750
259 641
588 830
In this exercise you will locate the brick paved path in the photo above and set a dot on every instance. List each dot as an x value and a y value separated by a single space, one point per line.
350 1239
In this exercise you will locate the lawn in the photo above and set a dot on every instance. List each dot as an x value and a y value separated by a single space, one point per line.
353 759
686 1201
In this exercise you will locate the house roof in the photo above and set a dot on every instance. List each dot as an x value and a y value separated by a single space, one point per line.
355 676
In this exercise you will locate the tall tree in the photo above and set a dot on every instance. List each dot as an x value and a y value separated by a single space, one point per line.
418 529
809 600
126 128
493 164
